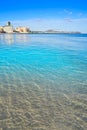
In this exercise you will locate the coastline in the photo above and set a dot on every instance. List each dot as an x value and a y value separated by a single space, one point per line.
45 33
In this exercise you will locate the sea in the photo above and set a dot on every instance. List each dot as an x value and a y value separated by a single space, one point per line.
43 81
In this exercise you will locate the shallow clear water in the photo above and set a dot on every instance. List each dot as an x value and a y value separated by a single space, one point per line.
43 82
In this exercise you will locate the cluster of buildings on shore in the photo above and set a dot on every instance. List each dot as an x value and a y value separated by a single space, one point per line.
9 29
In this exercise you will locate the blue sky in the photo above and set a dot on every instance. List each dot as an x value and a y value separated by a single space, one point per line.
68 15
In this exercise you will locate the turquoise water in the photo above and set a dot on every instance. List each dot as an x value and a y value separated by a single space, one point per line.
43 82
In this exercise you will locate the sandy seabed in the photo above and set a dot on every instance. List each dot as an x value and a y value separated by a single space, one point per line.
38 109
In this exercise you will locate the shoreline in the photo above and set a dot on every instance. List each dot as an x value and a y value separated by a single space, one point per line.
43 33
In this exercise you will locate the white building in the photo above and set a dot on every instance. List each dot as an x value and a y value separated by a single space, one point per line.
1 29
22 30
8 28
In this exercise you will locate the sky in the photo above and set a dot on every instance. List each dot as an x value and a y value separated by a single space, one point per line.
66 15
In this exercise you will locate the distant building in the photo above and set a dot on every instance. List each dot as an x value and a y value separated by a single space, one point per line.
8 28
22 30
9 23
1 29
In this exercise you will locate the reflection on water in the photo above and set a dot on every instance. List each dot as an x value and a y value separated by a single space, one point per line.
22 38
7 38
12 38
43 82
